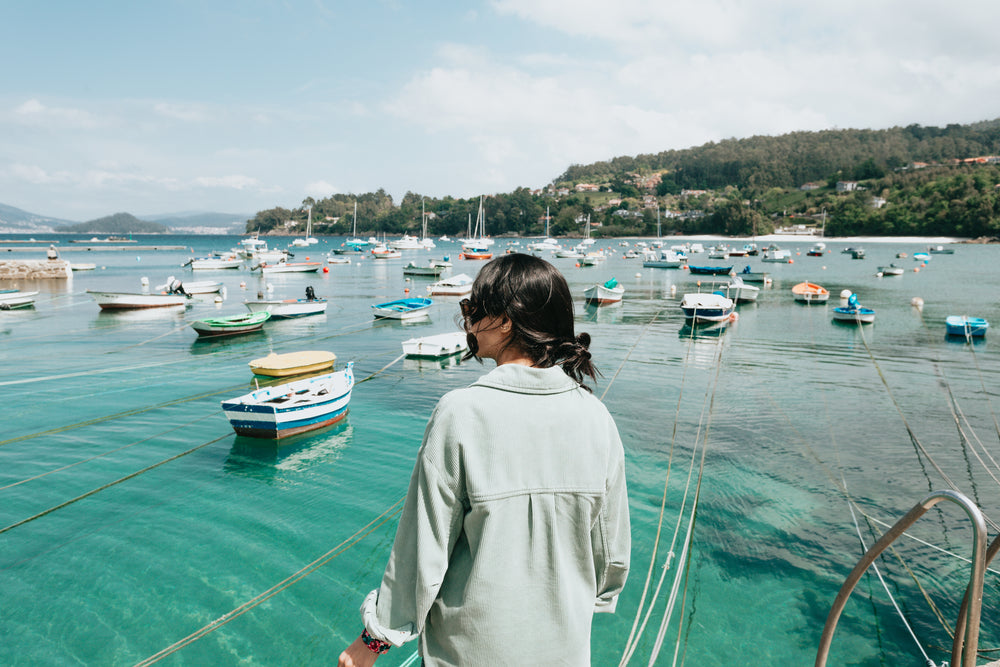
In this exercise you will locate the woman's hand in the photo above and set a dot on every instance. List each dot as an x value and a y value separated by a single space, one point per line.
357 655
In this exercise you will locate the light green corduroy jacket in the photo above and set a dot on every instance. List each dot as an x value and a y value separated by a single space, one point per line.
515 529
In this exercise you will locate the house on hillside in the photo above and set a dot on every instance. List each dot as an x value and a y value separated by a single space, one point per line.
810 186
847 186
587 187
693 193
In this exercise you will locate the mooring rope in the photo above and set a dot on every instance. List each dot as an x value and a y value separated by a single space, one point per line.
110 484
358 535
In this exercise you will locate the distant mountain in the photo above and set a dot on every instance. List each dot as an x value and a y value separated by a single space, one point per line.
14 220
119 223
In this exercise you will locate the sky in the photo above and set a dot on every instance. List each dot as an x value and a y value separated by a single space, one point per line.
238 106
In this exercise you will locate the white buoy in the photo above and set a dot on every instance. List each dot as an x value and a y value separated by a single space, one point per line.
270 287
845 294
917 303
878 275
243 284
673 290
638 275
218 299
144 281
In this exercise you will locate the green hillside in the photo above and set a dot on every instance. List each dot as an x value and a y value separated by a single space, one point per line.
119 223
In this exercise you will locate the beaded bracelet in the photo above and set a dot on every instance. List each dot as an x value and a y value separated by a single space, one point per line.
374 645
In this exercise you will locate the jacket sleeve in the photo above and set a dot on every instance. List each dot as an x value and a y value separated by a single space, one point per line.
611 535
428 529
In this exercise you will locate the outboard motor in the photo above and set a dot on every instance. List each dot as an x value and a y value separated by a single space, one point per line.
310 294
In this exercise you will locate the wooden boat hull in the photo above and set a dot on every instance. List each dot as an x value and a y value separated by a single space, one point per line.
710 270
429 271
703 307
288 308
293 363
810 293
292 408
131 300
600 294
475 255
433 347
230 326
294 267
403 309
959 325
854 315
202 287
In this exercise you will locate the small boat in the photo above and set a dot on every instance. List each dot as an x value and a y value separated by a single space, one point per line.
776 255
13 299
431 270
338 259
750 276
406 243
710 270
891 270
290 267
858 253
707 307
293 363
230 261
664 259
288 308
198 287
231 325
469 252
382 251
606 292
403 309
82 266
132 300
940 250
592 259
810 293
740 292
440 345
921 256
854 312
349 248
459 285
296 407
963 325
444 262
818 250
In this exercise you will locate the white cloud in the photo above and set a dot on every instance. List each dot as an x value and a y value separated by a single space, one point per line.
186 112
320 189
33 112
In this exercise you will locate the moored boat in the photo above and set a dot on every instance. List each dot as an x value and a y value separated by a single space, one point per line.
131 300
293 363
459 285
776 255
431 270
607 292
664 259
818 250
287 308
891 270
854 312
963 325
740 292
230 325
750 276
291 408
940 250
290 267
707 307
403 309
810 293
13 299
438 345
230 261
710 270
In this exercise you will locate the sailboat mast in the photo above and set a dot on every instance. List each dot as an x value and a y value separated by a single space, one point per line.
546 222
354 230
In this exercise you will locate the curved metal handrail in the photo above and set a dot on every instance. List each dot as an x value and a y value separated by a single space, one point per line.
966 643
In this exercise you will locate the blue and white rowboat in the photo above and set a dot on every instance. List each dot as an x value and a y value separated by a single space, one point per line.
705 307
961 325
296 407
403 309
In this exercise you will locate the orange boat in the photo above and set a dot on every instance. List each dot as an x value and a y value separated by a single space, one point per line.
810 293
475 253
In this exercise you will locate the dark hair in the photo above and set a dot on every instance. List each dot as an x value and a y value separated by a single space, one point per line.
534 296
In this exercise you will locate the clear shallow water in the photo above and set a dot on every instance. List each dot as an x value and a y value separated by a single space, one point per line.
789 405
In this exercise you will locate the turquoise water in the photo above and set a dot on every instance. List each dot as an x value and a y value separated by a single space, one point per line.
784 407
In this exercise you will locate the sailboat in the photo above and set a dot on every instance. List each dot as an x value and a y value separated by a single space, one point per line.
478 248
548 243
308 240
353 245
425 241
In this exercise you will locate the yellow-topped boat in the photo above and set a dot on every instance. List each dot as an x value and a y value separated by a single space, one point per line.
293 363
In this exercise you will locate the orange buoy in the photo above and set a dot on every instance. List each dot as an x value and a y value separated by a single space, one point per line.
326 270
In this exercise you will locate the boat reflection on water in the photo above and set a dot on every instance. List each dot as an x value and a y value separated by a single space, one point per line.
432 363
703 331
610 313
213 344
269 459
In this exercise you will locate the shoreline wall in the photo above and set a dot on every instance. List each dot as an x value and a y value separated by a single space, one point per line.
35 269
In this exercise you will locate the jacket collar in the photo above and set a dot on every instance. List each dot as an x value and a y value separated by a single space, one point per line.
527 380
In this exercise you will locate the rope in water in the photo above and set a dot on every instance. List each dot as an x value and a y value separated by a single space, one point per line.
637 630
358 535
